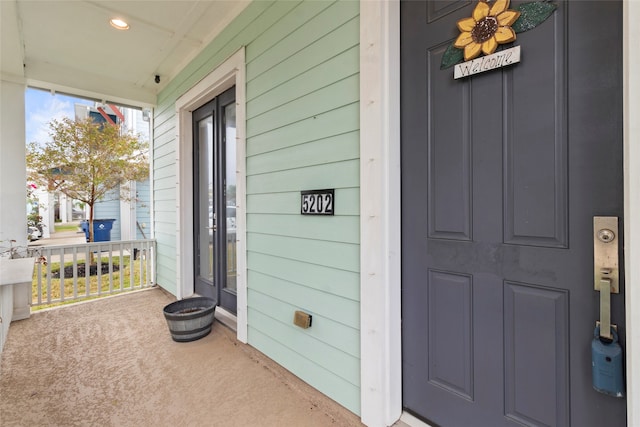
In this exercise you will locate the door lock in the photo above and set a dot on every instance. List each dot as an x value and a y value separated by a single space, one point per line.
606 236
605 267
606 352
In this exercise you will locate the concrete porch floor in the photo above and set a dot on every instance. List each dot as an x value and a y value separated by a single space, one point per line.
112 362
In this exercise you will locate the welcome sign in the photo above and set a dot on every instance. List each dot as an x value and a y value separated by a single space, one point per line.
487 63
490 25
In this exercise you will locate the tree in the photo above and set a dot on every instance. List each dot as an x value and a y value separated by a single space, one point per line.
85 160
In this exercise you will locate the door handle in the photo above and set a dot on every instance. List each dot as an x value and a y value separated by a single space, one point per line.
214 220
605 308
605 267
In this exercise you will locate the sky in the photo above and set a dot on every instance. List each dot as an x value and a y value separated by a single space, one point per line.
41 107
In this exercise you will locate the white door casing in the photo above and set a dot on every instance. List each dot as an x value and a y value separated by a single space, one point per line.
380 283
231 72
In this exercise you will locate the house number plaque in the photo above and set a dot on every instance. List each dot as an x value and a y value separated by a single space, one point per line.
316 202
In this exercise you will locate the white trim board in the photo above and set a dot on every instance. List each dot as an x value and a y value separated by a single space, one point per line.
230 72
631 81
380 331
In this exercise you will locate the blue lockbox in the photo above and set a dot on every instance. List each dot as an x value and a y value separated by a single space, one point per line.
607 365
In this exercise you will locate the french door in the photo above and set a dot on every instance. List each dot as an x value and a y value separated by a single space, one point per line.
214 169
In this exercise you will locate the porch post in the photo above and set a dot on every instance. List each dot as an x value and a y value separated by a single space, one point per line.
380 345
13 175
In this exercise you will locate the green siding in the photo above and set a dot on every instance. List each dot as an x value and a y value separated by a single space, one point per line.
338 389
315 32
346 202
325 151
162 162
333 175
333 281
295 18
335 361
343 92
241 32
342 310
302 126
342 256
326 330
339 67
339 229
339 120
166 127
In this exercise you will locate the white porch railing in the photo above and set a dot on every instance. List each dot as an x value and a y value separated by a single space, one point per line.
86 270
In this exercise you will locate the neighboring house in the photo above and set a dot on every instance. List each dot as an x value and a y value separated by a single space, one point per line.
129 204
131 209
142 211
453 276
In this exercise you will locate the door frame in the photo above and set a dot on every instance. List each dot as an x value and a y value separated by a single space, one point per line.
217 159
231 72
380 277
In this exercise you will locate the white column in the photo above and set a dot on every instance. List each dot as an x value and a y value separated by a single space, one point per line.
380 316
46 210
128 211
13 184
62 208
48 214
13 175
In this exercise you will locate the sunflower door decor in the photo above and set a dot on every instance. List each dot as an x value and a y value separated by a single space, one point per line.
492 24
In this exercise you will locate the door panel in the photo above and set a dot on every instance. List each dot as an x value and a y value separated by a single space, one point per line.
450 337
215 199
536 358
502 174
535 139
204 220
228 268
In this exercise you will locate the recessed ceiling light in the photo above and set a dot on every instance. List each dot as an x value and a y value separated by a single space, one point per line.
119 24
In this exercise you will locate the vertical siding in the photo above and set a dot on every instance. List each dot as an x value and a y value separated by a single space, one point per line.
302 133
109 207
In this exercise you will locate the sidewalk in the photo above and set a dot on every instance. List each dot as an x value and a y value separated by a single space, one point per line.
61 238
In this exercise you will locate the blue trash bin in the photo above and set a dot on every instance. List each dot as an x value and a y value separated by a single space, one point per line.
84 226
101 229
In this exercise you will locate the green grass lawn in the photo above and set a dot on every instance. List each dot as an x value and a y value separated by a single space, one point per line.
66 227
79 291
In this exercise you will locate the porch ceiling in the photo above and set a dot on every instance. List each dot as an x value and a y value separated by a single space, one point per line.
70 45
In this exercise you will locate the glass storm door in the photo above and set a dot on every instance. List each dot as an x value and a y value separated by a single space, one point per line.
214 147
